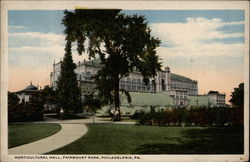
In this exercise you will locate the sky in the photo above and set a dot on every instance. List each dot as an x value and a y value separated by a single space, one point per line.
204 45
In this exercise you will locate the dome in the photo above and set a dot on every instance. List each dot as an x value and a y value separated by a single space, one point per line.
31 87
180 78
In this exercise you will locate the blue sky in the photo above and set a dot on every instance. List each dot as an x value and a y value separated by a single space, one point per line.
201 44
52 18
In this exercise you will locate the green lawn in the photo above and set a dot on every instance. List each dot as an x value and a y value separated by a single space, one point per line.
20 134
132 139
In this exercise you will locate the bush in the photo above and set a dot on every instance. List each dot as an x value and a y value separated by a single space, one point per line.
136 115
201 116
25 111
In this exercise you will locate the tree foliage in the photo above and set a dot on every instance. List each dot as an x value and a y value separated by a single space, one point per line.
25 111
68 92
237 100
237 97
50 99
199 116
92 103
122 42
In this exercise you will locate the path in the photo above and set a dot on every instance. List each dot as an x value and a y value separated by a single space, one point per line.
71 131
68 134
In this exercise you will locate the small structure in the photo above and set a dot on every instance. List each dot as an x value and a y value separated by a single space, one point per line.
26 93
179 97
217 98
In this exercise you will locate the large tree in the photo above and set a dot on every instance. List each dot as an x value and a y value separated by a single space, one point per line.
237 100
237 97
68 92
122 42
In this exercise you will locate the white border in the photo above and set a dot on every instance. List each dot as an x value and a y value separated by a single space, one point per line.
145 5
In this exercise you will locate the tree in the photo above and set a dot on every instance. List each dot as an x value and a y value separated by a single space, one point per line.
123 43
92 104
68 92
49 97
34 108
237 100
237 97
13 108
25 111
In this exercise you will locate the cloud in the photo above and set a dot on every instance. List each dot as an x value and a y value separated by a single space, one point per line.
191 49
40 56
193 31
34 56
16 27
36 39
35 49
202 50
234 23
190 39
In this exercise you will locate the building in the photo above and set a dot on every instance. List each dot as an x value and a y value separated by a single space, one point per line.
179 97
217 99
26 93
183 84
163 82
176 90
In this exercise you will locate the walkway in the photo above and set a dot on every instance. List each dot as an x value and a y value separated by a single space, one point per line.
68 134
71 131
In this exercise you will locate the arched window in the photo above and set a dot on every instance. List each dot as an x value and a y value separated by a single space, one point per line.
128 80
163 86
134 84
128 84
153 85
139 85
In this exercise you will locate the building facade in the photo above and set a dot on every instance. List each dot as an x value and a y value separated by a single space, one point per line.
181 83
217 98
182 90
164 81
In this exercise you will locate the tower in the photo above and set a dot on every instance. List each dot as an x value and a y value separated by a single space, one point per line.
167 79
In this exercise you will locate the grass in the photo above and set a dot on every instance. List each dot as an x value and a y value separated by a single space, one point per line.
19 134
133 139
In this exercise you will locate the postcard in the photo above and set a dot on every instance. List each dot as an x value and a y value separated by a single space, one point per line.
124 80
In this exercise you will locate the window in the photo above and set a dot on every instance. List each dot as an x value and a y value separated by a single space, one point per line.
163 86
153 85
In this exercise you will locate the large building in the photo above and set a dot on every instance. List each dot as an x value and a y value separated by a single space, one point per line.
173 89
163 82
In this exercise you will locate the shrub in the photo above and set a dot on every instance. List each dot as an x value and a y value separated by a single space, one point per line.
25 111
201 116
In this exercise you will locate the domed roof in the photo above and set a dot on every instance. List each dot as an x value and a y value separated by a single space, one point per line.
180 78
31 87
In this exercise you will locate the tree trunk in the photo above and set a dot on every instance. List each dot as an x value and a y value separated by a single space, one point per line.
93 116
116 96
